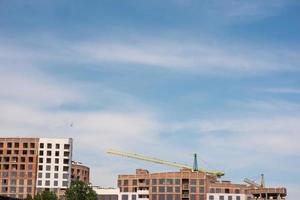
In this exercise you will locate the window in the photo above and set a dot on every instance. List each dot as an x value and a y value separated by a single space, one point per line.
56 153
55 175
22 167
66 146
161 197
48 160
211 197
201 182
177 189
65 176
57 146
153 181
47 183
6 166
21 189
55 183
49 146
134 182
169 181
229 197
125 182
169 189
177 197
237 191
25 145
66 161
221 197
4 189
4 181
15 159
65 169
193 181
169 197
40 175
193 197
22 174
6 159
39 182
16 145
9 145
16 152
40 167
56 168
1 144
161 181
201 196
66 154
218 190
125 189
48 168
29 166
154 197
23 159
65 183
41 160
48 153
24 152
14 174
29 182
133 197
32 145
238 198
42 145
201 189
161 189
154 189
212 190
124 197
193 189
47 175
13 182
8 152
13 189
56 160
30 159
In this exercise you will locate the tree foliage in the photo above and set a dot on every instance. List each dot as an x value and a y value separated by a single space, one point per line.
29 197
80 191
46 195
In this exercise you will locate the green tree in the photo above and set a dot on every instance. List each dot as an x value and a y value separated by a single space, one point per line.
29 197
80 191
46 195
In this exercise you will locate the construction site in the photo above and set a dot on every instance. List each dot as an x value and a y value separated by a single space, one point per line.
187 183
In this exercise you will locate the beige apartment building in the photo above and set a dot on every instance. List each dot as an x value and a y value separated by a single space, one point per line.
31 165
18 166
187 184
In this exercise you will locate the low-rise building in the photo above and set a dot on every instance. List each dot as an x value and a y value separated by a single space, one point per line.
80 172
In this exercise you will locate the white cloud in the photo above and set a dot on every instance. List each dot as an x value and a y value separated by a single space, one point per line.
239 10
201 57
188 56
281 90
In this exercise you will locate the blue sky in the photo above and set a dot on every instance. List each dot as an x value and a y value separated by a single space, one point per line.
160 78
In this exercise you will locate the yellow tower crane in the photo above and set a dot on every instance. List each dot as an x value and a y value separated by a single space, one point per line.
164 162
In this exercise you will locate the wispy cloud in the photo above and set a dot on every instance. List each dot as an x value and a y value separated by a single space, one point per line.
281 90
239 10
196 56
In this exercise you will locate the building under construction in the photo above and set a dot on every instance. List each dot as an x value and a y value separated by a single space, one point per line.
189 183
